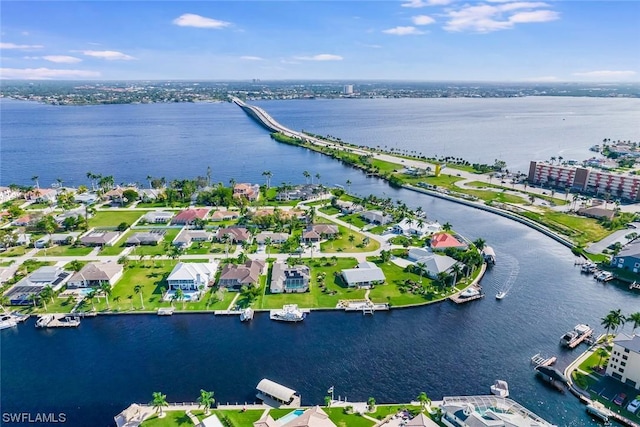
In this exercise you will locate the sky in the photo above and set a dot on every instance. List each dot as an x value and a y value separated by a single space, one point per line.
419 40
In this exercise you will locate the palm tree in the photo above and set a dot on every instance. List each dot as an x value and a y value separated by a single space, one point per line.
306 175
618 318
348 186
159 401
317 178
635 318
371 403
420 266
206 400
268 175
456 270
180 296
138 290
149 178
424 400
106 290
447 226
479 243
35 180
608 322
91 296
267 243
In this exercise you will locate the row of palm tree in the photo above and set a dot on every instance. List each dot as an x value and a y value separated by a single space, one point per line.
615 320
205 400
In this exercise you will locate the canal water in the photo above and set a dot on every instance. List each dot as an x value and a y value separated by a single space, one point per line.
93 372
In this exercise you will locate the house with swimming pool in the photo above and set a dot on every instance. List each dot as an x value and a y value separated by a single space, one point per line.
192 278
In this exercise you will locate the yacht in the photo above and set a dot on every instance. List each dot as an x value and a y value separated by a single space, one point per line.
599 411
246 314
289 313
470 292
500 388
7 321
576 336
501 295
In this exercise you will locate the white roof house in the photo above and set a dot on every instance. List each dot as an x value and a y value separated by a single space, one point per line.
192 275
434 264
158 217
376 217
417 253
364 275
416 227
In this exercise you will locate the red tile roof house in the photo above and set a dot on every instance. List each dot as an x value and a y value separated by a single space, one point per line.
317 232
224 215
188 216
236 276
237 234
442 241
250 191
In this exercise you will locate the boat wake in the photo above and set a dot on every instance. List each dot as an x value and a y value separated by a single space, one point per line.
514 269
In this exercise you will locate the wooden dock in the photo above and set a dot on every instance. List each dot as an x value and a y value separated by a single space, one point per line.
227 312
540 360
458 299
60 321
580 339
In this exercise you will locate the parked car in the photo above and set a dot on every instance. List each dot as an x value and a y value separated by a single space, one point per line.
619 399
634 405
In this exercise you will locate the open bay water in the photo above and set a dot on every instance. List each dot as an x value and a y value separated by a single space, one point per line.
97 370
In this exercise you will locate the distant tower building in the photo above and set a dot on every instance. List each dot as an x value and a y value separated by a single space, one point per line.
347 90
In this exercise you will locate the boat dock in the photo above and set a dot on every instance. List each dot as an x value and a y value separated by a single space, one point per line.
460 298
540 360
58 321
580 339
165 311
365 306
227 312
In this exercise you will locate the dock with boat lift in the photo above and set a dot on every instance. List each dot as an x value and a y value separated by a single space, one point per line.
460 297
539 360
58 321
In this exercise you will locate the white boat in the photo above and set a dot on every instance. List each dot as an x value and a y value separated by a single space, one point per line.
44 320
468 293
289 313
576 336
246 314
501 295
165 311
7 321
500 388
599 411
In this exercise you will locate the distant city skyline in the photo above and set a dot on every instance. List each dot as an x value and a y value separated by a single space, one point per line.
413 40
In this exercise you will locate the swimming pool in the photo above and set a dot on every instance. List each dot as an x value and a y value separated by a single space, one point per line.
85 291
290 416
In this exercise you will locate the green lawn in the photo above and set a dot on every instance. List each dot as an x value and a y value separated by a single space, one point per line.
593 360
580 229
329 210
172 419
38 206
146 250
237 418
341 419
15 251
342 243
113 218
354 219
385 410
65 250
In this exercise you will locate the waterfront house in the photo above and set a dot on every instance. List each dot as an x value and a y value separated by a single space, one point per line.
23 292
190 276
157 217
250 192
95 274
347 207
442 241
376 217
421 420
317 232
628 258
286 279
365 275
434 264
7 194
224 215
419 228
597 212
186 237
301 192
312 417
151 237
85 198
189 216
624 362
41 195
100 238
235 234
149 194
276 238
235 276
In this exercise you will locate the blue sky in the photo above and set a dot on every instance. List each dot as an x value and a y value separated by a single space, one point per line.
493 40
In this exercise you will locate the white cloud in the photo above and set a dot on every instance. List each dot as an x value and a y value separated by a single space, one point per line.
20 46
62 59
542 79
197 21
44 73
25 33
485 18
320 57
251 58
109 55
422 20
424 3
403 31
606 74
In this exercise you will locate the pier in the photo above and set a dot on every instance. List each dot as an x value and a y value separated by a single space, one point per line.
460 298
540 360
57 321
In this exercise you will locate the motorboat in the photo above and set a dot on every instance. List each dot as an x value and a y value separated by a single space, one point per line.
500 388
470 292
44 320
7 321
576 336
501 295
289 313
246 314
599 411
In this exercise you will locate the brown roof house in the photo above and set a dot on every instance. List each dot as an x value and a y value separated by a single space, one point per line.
188 216
249 191
235 276
317 232
312 417
94 274
223 215
236 234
